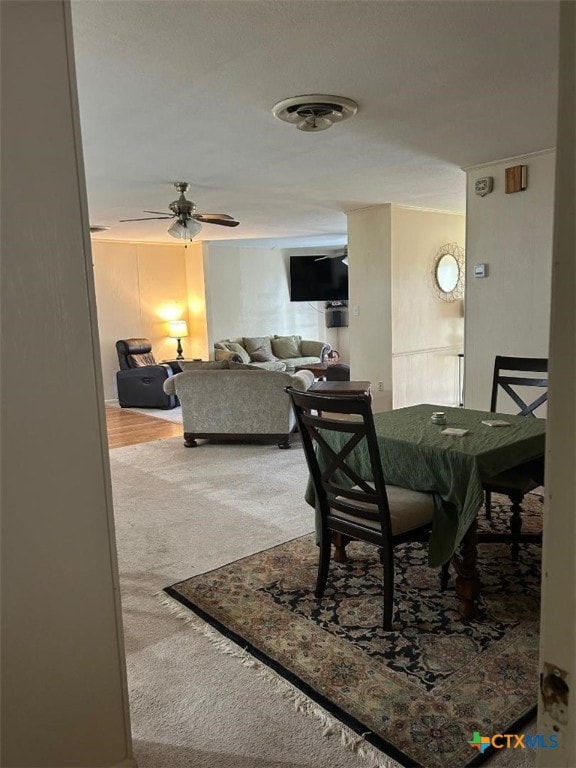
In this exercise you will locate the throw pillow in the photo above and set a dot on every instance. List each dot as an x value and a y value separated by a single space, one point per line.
141 361
262 355
251 343
286 346
238 349
225 354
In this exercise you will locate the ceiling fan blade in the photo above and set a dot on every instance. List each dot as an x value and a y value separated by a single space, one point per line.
148 218
161 213
214 216
209 219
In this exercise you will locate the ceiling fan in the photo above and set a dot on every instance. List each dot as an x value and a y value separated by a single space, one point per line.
343 256
187 222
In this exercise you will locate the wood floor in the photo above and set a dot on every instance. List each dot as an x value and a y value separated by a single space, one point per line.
129 428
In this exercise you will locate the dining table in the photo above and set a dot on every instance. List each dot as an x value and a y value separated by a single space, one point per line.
419 454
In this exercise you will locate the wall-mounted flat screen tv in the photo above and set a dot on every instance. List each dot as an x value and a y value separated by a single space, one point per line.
315 279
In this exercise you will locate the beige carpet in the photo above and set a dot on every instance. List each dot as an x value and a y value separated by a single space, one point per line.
180 512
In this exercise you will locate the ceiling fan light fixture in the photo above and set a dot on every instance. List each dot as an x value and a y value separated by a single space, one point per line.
184 230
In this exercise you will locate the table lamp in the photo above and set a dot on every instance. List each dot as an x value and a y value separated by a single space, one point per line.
178 330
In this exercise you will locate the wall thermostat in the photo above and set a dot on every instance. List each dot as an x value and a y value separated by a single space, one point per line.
484 186
480 270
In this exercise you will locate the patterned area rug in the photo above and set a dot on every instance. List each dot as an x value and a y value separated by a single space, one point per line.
417 693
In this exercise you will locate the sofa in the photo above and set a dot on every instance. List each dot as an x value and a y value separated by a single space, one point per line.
272 352
233 401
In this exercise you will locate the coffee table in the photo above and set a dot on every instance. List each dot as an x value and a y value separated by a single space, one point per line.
318 369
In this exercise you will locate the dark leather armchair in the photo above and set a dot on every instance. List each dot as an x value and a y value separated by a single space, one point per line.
140 378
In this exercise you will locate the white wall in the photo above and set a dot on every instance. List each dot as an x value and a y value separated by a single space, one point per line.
195 283
401 333
247 294
64 695
138 288
508 312
427 332
370 305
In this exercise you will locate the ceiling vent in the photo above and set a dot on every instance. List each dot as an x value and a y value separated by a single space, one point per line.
314 112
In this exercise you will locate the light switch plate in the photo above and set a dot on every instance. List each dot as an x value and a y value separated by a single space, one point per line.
480 270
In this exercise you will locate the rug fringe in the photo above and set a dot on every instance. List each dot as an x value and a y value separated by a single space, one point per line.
302 703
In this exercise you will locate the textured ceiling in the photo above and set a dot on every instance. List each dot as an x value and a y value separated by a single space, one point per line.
184 90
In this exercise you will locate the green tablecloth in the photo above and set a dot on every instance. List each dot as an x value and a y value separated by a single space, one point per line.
416 455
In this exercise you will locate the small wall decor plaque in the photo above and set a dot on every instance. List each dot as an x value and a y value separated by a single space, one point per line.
516 178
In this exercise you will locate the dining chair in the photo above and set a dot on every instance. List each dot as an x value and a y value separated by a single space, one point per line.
354 503
516 483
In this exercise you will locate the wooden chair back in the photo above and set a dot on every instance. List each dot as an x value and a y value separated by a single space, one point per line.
506 379
332 427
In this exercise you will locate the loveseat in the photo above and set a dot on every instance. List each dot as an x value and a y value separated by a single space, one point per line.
233 403
272 352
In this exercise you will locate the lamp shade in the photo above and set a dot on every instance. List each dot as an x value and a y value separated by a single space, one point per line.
184 230
177 329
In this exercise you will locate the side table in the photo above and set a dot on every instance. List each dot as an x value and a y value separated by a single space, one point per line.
175 364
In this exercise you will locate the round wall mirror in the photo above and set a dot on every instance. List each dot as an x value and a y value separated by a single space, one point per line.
448 272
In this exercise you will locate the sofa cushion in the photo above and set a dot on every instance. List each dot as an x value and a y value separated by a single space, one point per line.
296 361
251 343
262 355
237 349
286 346
225 354
277 365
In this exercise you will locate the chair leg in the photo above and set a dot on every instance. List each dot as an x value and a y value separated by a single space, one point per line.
388 579
515 523
488 505
323 563
444 576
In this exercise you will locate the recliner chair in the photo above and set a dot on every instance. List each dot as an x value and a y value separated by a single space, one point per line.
140 378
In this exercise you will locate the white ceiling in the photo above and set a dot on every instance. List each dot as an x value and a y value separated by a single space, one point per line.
184 90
